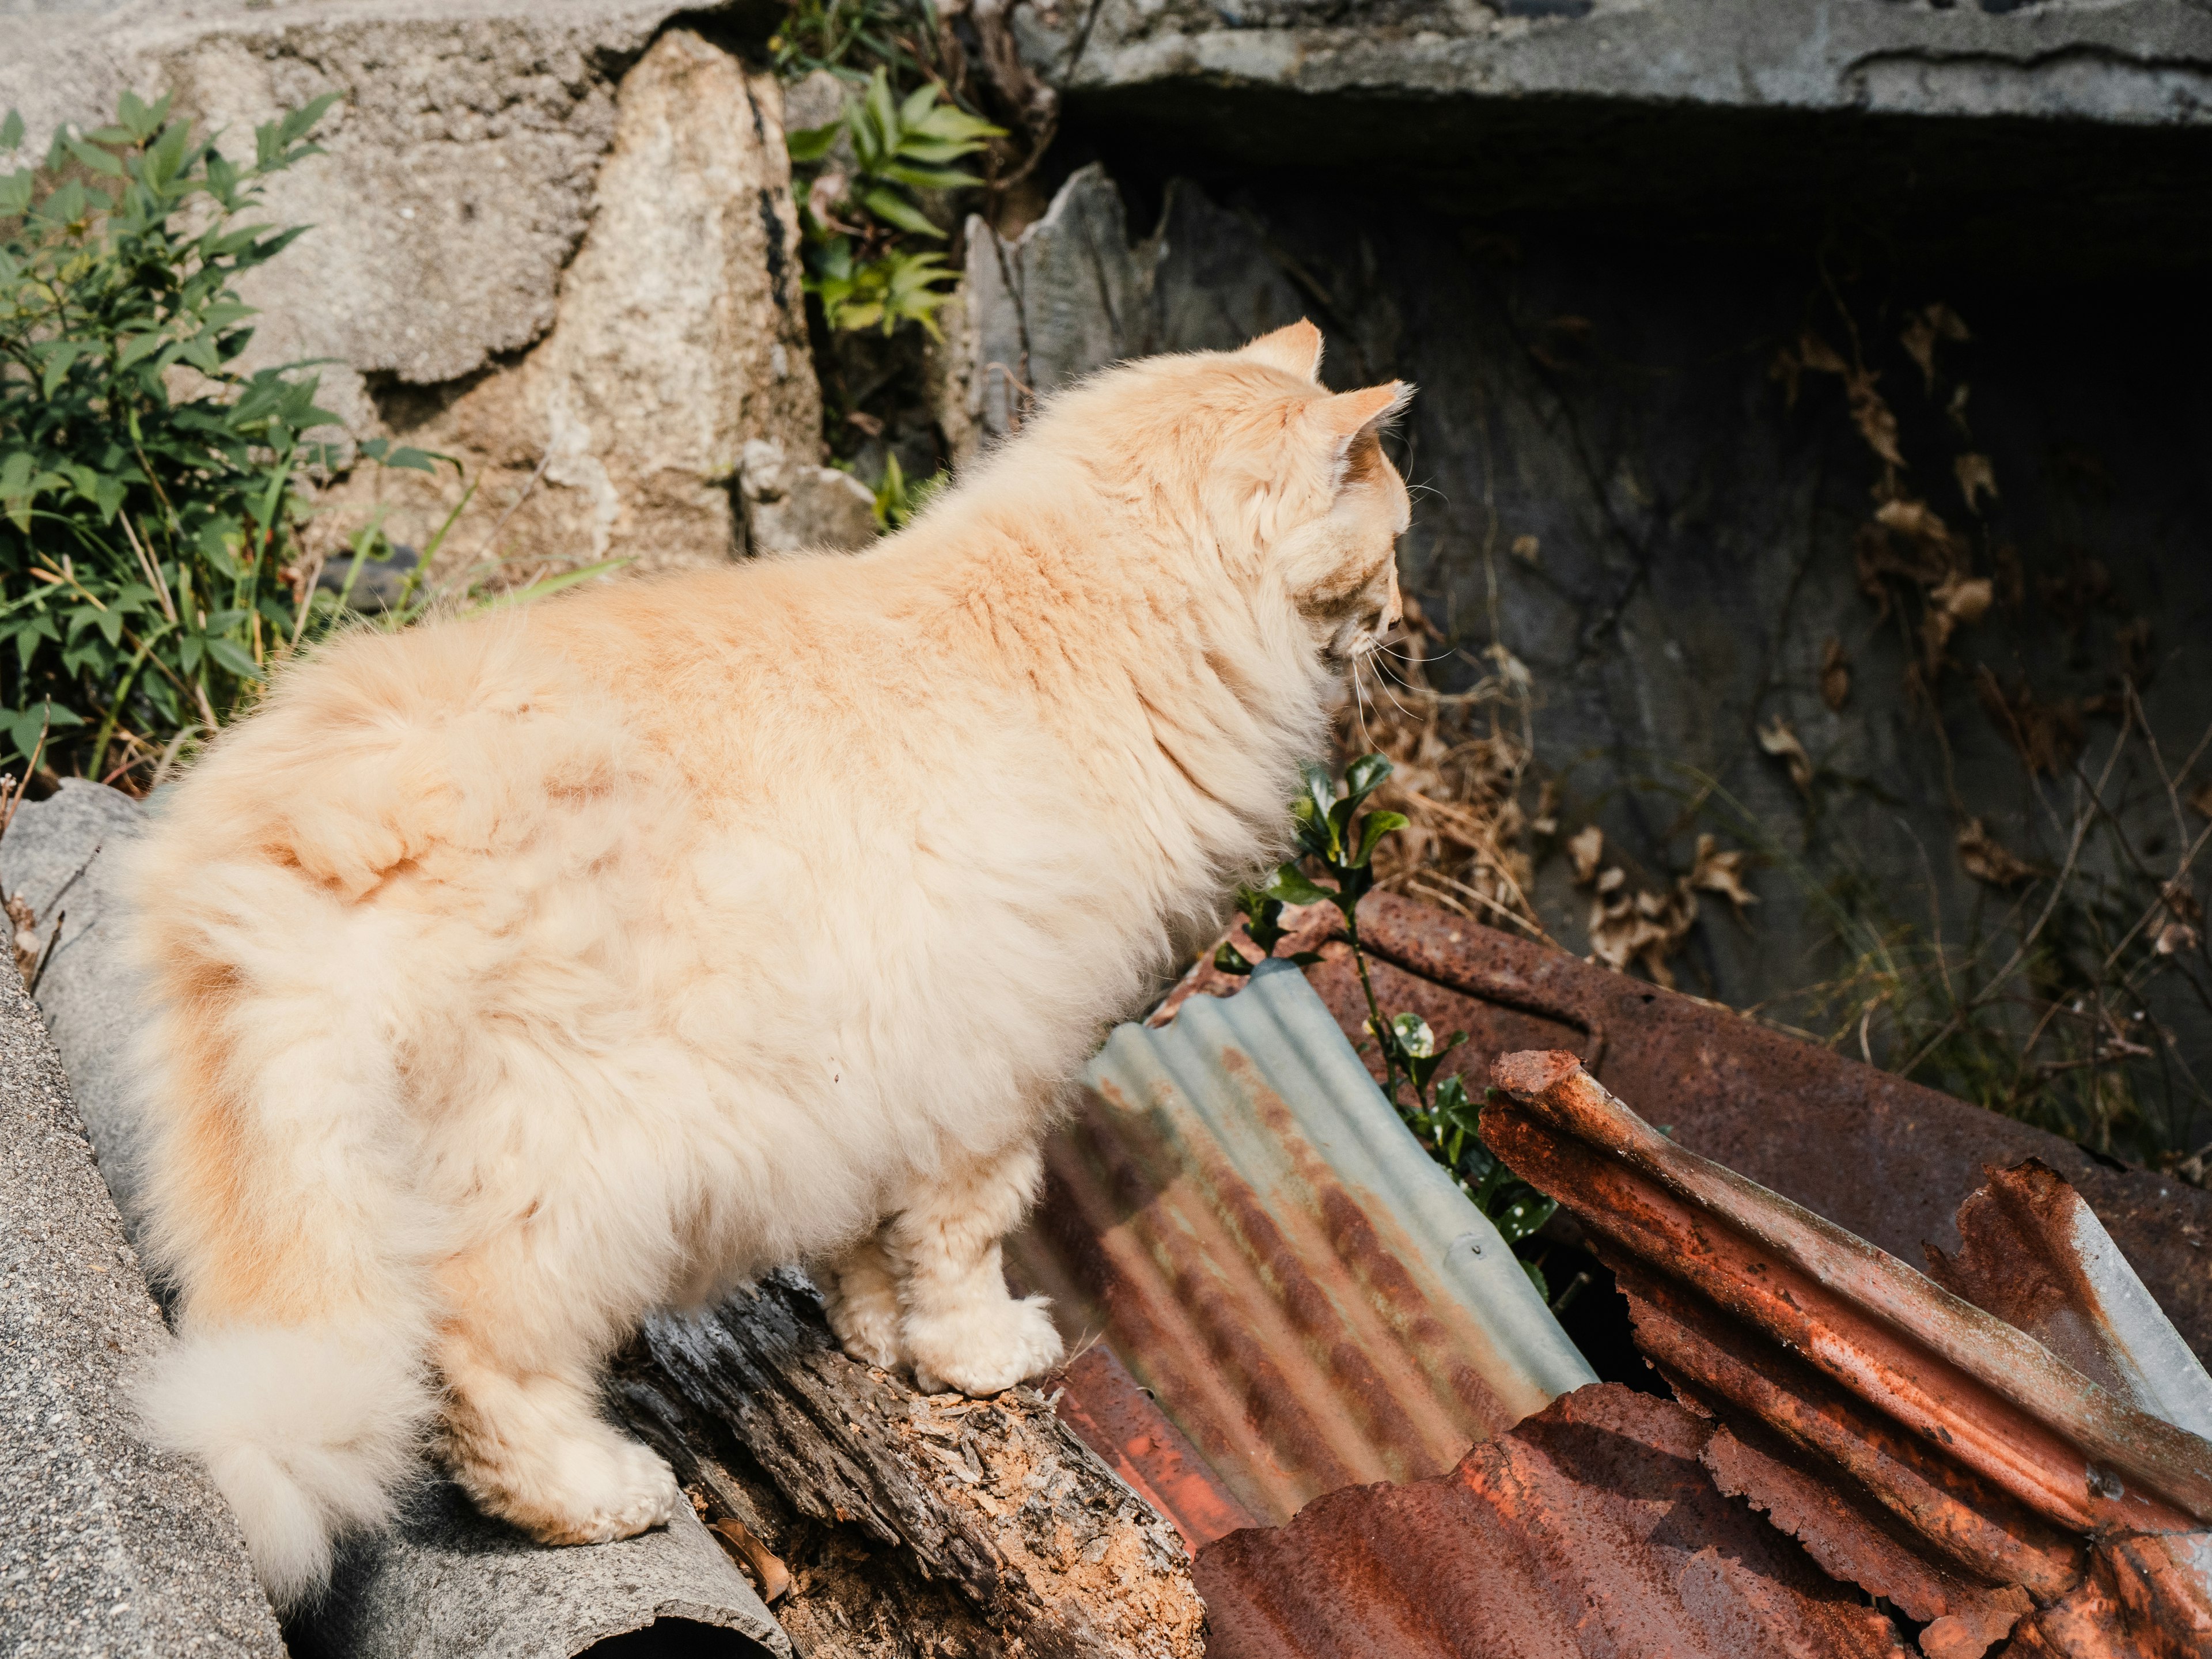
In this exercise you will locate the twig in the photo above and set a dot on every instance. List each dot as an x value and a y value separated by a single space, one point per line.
38 969
543 461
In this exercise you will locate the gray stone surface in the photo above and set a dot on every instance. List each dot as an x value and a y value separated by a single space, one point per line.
792 506
59 856
111 1549
458 180
549 239
120 1525
2136 62
679 337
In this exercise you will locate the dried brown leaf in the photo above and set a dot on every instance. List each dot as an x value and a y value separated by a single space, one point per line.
1956 410
1976 478
1872 417
1986 860
1717 872
1816 354
1525 549
1929 324
2175 938
1779 738
1835 675
1586 846
1922 523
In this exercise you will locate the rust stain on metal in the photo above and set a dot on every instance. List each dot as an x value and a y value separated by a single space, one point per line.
1590 1529
1102 1402
1238 1213
1917 1443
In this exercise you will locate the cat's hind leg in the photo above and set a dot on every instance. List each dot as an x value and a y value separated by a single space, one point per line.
521 1355
859 1295
960 1327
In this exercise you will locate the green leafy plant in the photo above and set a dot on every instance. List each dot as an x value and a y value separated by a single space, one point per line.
155 499
902 35
897 501
150 492
861 205
1331 834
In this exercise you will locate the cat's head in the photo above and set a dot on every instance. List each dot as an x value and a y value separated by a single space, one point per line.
1305 508
1327 530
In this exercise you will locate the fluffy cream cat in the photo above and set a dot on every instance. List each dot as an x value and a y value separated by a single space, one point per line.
520 976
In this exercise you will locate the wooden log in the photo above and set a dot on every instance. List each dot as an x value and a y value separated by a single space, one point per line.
908 1524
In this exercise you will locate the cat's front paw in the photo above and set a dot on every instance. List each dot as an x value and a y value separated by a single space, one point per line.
985 1349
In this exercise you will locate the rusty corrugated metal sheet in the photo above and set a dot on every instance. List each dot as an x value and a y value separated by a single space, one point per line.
1917 1443
1312 1301
1591 1529
1887 1159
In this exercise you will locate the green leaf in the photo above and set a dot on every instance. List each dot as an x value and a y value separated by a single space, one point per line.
1378 825
1289 883
99 159
1364 775
888 205
813 144
1230 960
930 178
949 123
59 356
138 346
884 113
550 584
233 656
11 130
1413 1035
1321 788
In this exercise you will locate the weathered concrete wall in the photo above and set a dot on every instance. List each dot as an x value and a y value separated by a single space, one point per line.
543 244
2138 62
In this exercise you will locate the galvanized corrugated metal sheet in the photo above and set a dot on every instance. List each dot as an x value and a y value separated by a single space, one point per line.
1916 1444
1308 1298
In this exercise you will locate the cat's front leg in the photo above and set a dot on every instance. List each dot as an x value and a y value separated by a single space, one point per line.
959 1326
859 1295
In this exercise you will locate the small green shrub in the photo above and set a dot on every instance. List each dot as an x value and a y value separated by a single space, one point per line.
898 501
153 497
856 222
1332 836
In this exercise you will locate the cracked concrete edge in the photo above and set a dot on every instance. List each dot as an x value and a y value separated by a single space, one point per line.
447 1583
114 1547
2135 62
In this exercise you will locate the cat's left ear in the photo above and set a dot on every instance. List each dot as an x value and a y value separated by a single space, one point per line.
1295 350
1351 422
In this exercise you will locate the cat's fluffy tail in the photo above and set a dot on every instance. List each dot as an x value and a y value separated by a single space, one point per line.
280 1202
307 1434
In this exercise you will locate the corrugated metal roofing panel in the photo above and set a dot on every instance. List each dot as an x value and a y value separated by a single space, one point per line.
1590 1530
1306 1294
1913 1441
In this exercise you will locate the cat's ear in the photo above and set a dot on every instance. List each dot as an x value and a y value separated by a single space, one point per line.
1351 421
1295 350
